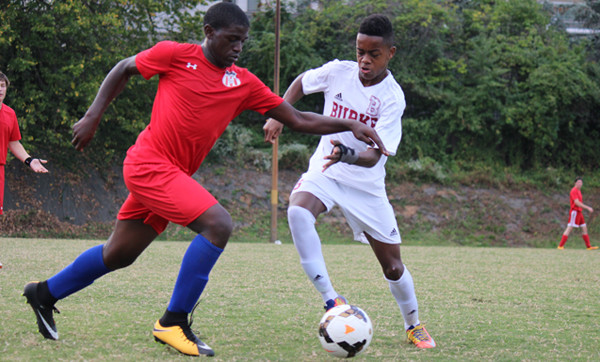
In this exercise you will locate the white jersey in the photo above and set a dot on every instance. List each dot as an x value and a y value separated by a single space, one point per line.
379 106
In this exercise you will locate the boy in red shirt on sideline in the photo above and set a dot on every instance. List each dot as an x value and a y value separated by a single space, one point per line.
576 219
10 137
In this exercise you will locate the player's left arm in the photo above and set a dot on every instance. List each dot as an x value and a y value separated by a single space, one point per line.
309 122
389 127
20 153
582 205
343 153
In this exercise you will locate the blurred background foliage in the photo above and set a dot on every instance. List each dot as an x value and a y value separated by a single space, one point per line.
492 85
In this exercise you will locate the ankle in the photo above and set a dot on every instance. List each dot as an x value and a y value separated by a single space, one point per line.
44 296
173 318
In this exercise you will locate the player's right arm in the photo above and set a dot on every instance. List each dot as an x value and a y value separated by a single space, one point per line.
272 127
113 84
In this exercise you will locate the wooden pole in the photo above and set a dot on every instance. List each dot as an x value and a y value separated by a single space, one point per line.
274 163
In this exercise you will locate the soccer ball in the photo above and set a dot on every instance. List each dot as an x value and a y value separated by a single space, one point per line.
345 331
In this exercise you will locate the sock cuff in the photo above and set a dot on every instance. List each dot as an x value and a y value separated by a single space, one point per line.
301 211
206 243
401 279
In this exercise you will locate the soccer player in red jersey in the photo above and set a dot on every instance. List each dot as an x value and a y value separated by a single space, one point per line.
576 219
10 137
200 91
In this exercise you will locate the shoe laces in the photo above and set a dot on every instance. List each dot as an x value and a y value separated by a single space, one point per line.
189 333
419 333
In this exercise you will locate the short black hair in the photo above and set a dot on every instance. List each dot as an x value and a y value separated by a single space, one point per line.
577 178
378 25
224 14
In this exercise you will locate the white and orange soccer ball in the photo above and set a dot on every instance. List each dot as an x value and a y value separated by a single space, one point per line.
345 331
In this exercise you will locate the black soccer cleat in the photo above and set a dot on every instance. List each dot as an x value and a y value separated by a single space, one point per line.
43 313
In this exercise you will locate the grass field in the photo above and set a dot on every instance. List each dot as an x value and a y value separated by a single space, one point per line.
478 303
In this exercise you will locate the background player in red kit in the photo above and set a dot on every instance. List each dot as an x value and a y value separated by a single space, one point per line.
10 137
576 219
200 91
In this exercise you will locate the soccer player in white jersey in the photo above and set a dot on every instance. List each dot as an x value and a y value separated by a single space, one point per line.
345 173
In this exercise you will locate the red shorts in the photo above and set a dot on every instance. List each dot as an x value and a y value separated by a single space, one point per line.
1 188
159 193
576 219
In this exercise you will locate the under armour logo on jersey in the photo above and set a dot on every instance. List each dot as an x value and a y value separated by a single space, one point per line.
230 79
339 97
394 232
193 66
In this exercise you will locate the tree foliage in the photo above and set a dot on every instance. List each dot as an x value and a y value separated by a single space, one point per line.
56 54
485 80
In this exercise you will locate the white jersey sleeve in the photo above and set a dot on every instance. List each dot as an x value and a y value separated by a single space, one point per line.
380 106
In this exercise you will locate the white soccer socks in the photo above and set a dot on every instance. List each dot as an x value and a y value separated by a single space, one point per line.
307 242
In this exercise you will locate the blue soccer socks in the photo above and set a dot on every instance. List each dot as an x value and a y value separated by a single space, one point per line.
82 272
197 263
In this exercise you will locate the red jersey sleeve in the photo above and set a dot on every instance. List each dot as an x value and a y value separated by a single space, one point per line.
262 98
9 130
155 60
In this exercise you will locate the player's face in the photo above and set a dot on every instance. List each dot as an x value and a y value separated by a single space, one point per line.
222 47
578 184
373 56
3 89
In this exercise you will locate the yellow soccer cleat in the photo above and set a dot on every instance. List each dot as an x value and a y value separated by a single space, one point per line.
182 339
561 247
419 337
592 248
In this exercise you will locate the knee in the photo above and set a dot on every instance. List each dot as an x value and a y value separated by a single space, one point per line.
394 270
298 215
221 227
114 258
216 226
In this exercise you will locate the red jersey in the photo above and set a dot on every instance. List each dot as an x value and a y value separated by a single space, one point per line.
575 194
195 102
9 130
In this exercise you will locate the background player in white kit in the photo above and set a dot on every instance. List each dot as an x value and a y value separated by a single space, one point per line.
346 173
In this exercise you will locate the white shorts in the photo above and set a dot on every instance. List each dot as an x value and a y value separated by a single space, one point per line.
364 212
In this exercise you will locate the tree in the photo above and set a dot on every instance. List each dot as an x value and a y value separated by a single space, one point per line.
57 53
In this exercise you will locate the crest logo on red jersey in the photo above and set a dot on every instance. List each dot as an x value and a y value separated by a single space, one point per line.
230 79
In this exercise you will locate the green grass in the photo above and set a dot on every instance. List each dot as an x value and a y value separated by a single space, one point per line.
501 304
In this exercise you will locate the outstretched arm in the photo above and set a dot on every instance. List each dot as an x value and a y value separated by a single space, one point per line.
18 150
272 127
308 122
113 84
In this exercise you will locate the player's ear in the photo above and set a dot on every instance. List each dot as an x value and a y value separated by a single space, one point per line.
209 31
392 51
